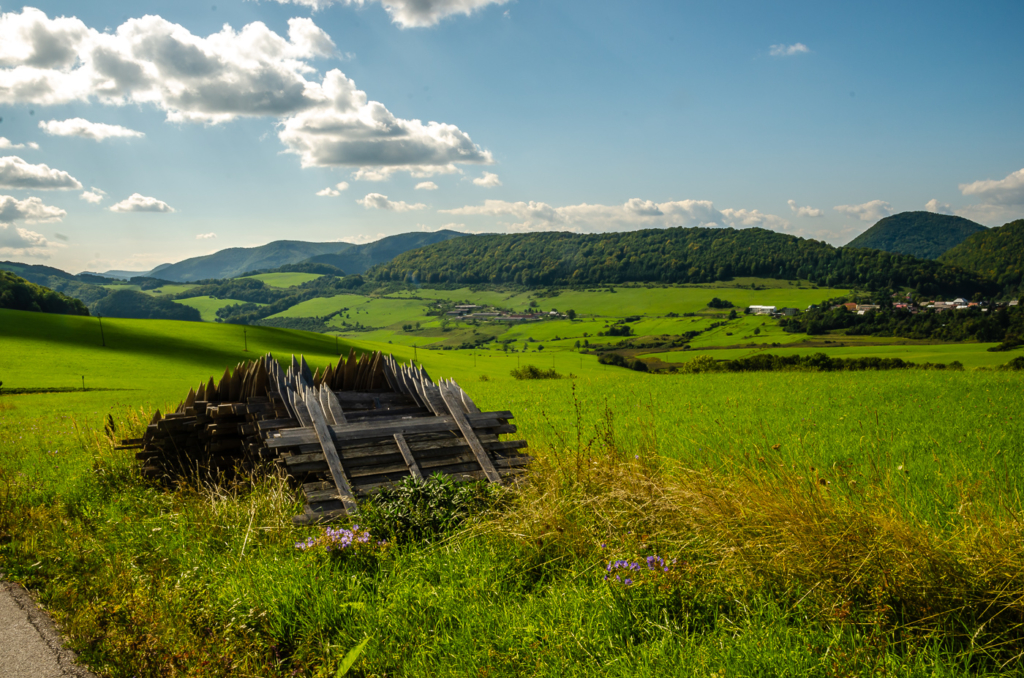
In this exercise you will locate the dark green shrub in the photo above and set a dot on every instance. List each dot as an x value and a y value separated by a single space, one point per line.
414 510
534 372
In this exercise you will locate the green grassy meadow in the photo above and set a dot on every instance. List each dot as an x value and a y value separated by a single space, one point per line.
208 306
813 524
283 279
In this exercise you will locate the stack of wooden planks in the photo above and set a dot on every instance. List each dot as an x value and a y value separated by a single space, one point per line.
339 433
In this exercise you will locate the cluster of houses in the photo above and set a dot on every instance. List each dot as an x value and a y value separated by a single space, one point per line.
487 313
860 309
958 304
772 310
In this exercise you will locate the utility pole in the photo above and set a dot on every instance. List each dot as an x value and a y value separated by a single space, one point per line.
245 338
102 337
83 382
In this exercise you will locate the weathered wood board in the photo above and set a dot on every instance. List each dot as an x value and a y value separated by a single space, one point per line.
339 433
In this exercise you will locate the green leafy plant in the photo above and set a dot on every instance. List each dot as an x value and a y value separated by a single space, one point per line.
415 510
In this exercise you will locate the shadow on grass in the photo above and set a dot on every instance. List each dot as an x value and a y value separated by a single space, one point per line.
167 339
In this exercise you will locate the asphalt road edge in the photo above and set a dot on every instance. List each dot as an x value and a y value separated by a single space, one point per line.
47 630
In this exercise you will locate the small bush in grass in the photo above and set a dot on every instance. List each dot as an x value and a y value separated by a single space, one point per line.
414 510
1014 365
534 372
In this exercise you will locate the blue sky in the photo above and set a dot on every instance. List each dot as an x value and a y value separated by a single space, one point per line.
139 133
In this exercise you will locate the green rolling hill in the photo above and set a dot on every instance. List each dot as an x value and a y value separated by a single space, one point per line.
671 255
924 235
997 253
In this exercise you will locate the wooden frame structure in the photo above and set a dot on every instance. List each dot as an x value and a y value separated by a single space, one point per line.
340 434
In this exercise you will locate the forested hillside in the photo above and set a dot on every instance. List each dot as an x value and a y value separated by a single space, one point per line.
997 253
672 255
18 294
360 258
132 304
924 235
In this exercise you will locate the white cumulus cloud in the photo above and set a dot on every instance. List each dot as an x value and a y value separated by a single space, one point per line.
633 214
29 209
937 207
408 13
20 241
79 127
869 211
426 186
806 211
6 143
141 203
488 180
333 191
381 202
206 236
789 50
94 195
252 72
16 173
1006 191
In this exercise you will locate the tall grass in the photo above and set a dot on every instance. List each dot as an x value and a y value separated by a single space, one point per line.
779 563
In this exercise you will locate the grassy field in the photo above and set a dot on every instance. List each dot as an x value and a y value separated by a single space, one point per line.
831 524
160 291
208 306
971 355
644 300
284 279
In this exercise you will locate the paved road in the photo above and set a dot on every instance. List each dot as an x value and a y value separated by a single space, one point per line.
30 646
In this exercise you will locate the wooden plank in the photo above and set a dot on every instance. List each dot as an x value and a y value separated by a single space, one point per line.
366 453
224 387
410 460
235 386
467 402
470 435
316 413
305 374
357 431
301 412
318 393
332 406
350 371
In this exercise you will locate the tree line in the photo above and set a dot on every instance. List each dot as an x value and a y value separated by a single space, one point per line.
671 255
998 324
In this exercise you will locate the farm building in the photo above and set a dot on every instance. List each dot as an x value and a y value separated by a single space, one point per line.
762 310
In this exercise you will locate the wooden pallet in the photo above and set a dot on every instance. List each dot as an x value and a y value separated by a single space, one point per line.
340 433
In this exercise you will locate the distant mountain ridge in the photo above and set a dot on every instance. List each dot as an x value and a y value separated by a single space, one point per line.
997 253
118 275
924 235
236 261
41 275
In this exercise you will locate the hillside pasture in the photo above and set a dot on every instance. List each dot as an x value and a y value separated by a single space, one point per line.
208 306
645 300
158 359
283 279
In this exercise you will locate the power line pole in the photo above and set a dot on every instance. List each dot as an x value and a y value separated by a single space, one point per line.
102 337
245 338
